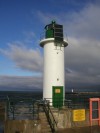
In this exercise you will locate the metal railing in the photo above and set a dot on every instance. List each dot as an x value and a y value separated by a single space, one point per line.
22 109
76 104
30 109
49 115
72 102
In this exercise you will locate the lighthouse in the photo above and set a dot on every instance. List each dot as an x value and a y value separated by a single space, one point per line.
54 72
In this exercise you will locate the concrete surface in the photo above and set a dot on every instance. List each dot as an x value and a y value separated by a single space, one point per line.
94 129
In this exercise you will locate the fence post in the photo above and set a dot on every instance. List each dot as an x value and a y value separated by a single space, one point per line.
99 111
90 112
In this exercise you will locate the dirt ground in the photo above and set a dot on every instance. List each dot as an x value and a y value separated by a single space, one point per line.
94 129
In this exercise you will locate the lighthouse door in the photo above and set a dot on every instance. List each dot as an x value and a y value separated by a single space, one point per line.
57 96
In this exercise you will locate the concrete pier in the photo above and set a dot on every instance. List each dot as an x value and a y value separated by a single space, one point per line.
63 117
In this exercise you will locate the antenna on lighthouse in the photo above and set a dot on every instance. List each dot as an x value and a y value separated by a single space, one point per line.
54 71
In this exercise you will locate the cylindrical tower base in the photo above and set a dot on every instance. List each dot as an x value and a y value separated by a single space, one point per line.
54 75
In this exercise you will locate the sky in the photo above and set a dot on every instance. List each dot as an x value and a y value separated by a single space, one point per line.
22 25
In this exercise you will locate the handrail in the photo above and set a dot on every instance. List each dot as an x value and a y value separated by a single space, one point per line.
50 117
51 112
71 103
13 109
57 101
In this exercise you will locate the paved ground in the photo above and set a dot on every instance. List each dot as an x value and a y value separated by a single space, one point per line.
94 129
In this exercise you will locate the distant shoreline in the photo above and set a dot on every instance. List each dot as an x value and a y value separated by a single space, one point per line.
82 92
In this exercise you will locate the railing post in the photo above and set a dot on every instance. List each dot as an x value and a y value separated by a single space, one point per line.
7 110
99 111
13 112
38 110
33 110
90 112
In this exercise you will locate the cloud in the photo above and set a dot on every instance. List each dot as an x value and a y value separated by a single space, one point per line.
82 56
84 24
24 58
31 38
20 83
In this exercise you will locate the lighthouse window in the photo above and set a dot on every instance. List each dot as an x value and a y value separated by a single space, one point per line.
58 38
49 33
58 30
58 26
59 34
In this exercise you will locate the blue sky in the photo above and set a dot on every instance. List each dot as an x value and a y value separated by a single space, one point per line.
22 24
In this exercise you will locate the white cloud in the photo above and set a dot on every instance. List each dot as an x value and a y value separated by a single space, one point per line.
85 24
31 38
24 58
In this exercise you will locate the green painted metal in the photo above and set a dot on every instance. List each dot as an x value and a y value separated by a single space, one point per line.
57 95
53 22
49 33
55 31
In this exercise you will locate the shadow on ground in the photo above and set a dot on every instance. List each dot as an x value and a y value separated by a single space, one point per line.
94 129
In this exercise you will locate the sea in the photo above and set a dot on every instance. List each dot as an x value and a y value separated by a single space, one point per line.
72 99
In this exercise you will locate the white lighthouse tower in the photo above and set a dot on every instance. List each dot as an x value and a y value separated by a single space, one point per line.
54 73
